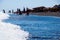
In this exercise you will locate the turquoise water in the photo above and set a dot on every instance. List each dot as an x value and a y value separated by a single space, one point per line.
39 27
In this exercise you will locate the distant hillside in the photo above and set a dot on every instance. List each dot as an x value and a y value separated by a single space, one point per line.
55 8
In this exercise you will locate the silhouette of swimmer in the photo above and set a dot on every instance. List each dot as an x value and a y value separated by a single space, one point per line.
3 11
27 12
9 11
19 12
24 10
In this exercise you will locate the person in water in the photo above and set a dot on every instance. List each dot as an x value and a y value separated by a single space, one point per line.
19 12
9 11
3 11
27 12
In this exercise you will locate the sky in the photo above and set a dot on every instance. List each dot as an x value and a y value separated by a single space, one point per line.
14 4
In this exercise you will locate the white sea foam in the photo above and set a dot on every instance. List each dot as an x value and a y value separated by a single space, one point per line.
10 31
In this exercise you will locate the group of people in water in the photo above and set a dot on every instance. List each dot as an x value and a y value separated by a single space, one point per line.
18 11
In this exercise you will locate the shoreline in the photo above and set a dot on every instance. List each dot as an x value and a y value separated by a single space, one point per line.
54 14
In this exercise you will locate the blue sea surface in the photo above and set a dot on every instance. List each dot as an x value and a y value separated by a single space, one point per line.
39 27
